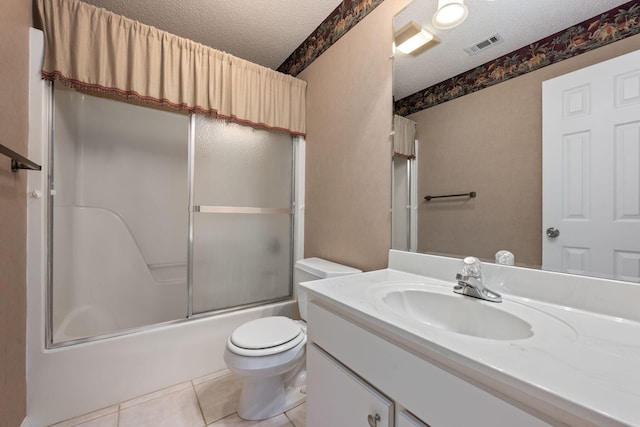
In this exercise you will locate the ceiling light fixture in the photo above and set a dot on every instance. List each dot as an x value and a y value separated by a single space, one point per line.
450 13
412 39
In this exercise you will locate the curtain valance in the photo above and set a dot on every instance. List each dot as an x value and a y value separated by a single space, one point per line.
93 49
404 136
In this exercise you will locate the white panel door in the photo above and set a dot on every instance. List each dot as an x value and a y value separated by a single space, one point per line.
591 170
338 398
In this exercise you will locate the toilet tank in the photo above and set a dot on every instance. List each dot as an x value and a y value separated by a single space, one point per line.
309 269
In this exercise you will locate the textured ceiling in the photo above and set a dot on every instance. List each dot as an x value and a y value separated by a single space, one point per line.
519 22
265 32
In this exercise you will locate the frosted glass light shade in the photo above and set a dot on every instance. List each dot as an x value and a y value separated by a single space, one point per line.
450 13
420 39
412 39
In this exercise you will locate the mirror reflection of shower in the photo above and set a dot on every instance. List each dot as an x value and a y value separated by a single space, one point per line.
120 216
404 204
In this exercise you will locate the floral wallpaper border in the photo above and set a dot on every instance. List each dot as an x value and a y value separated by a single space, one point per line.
342 19
616 24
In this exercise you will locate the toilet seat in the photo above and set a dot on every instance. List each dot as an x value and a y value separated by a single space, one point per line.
265 336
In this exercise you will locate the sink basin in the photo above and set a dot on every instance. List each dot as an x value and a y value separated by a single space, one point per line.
439 307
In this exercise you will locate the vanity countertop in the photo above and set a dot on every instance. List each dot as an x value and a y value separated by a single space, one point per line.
581 368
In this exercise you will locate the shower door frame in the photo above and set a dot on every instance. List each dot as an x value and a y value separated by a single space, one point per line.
296 228
296 231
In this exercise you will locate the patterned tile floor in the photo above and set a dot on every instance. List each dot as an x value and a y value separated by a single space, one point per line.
207 401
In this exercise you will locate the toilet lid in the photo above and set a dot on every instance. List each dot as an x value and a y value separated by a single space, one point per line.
266 332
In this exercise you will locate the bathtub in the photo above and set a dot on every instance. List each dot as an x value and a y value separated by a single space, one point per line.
84 321
69 381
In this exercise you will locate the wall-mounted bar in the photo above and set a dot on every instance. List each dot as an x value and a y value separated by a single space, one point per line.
18 161
470 195
241 210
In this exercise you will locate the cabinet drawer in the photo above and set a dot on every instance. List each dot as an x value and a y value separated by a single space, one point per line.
338 398
432 394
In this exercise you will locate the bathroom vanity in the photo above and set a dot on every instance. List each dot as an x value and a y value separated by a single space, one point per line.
397 347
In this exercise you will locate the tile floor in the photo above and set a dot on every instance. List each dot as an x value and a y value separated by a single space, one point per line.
206 401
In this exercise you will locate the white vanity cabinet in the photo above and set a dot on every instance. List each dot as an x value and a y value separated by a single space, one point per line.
405 419
353 373
340 398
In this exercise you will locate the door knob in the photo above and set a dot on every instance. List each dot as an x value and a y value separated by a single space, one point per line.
553 232
373 420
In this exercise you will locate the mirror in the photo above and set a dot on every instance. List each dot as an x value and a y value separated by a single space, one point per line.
482 130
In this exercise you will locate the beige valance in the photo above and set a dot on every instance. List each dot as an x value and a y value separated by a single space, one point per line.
93 49
404 137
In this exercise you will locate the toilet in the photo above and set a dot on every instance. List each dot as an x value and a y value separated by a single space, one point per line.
269 353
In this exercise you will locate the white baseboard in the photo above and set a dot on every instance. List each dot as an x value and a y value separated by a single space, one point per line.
25 422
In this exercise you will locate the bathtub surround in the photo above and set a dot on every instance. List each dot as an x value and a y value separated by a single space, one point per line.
119 245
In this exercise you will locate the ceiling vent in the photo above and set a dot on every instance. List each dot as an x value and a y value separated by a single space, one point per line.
484 44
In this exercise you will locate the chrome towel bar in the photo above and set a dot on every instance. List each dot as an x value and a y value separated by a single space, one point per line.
470 195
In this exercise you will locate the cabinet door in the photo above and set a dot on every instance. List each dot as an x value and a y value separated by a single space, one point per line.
336 397
406 419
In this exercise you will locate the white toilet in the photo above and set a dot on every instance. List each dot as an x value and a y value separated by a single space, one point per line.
269 353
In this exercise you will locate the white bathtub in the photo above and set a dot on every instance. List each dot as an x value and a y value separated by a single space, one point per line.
84 321
70 381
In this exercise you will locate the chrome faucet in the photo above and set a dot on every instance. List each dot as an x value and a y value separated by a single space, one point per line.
470 282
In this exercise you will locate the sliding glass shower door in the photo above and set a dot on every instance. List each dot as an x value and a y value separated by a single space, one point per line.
243 216
157 216
118 217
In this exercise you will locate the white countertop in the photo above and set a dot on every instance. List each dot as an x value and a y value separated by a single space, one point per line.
583 365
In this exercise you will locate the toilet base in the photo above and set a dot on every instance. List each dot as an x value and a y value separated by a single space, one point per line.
266 398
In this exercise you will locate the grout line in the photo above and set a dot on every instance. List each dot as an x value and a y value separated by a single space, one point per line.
204 419
155 395
209 377
290 420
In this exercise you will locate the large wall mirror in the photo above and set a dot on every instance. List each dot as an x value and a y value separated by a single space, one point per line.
479 122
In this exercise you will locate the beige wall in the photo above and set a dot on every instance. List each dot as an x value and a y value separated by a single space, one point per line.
348 167
490 142
15 18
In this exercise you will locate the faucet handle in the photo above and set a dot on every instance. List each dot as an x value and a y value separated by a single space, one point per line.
471 266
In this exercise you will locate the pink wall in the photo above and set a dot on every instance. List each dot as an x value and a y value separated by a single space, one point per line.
490 142
348 176
15 19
